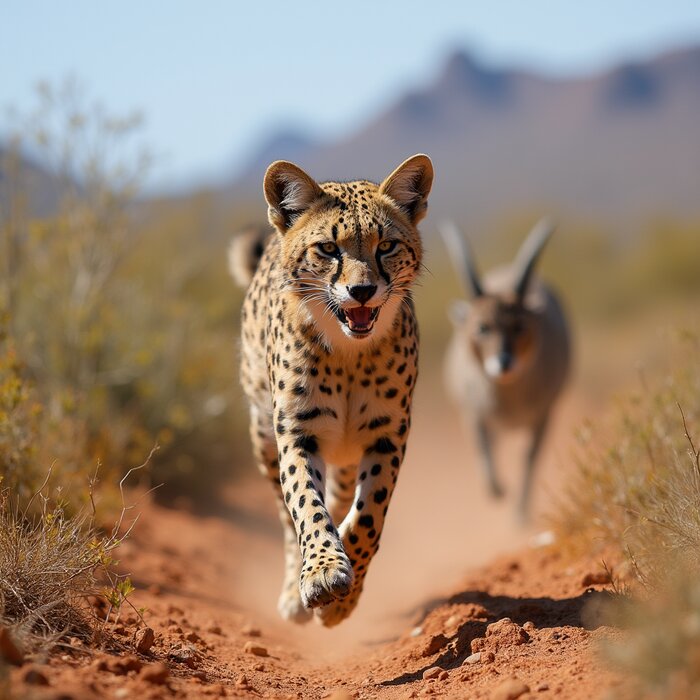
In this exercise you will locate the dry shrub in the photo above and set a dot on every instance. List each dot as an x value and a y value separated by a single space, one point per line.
637 488
636 484
660 645
123 317
50 562
53 553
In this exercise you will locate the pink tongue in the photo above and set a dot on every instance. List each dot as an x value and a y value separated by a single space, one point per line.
359 316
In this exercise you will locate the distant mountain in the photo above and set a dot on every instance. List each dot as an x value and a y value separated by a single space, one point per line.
285 145
620 146
25 183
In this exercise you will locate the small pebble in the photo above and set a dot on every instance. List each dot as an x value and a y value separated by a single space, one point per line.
144 639
433 672
542 539
256 649
453 621
184 654
434 644
251 631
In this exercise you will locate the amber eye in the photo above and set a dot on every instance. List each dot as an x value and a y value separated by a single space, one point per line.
329 248
386 246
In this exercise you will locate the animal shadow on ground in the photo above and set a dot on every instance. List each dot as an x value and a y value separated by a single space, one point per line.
581 611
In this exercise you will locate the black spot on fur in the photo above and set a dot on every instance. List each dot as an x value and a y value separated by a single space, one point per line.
379 422
383 446
366 521
380 496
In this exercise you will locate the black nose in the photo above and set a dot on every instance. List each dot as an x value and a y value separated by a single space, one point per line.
362 292
506 361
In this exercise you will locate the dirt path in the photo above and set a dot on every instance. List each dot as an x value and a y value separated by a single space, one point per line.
210 585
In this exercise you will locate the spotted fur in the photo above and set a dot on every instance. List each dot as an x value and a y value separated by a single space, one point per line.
329 365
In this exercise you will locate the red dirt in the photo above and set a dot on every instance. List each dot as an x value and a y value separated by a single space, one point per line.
209 644
209 586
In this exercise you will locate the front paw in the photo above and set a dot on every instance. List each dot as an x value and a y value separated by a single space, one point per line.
291 608
321 584
334 613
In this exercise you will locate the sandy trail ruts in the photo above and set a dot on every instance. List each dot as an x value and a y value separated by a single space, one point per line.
208 582
440 524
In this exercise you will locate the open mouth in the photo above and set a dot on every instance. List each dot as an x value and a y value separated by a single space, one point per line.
360 320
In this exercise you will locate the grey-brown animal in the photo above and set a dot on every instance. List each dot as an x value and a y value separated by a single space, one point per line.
510 352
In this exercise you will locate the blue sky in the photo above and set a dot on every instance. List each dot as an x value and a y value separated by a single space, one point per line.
212 78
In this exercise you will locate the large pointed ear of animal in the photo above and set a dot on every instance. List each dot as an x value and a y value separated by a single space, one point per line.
289 192
458 312
528 255
462 258
409 186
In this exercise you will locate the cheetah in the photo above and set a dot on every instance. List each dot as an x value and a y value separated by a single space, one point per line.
329 360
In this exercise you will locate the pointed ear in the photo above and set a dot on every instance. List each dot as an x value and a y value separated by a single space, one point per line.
289 192
409 186
458 311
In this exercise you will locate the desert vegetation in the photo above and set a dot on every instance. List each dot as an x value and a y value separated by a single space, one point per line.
636 498
105 353
118 327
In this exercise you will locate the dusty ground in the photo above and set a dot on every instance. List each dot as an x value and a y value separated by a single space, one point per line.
209 586
456 576
214 644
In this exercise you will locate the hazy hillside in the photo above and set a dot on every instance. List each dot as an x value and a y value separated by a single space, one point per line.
621 146
25 183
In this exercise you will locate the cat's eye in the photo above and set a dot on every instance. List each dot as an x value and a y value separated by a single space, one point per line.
328 248
386 246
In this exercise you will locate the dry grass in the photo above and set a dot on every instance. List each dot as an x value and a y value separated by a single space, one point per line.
52 552
637 488
52 561
123 318
660 648
637 484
